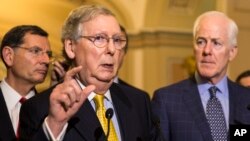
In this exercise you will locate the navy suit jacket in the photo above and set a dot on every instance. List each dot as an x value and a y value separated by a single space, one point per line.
7 132
181 114
132 108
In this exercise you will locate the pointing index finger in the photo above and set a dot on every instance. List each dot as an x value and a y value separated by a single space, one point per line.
72 73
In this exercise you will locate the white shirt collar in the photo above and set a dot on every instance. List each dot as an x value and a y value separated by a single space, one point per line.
92 94
116 80
11 96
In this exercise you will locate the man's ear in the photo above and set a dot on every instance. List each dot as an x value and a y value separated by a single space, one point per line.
8 55
69 48
233 52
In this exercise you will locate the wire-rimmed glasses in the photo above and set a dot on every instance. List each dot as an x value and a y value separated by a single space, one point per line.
102 40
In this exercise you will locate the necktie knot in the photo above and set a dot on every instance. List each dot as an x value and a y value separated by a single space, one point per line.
212 90
22 100
98 99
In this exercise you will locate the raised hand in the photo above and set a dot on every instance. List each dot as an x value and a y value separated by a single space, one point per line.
65 100
58 71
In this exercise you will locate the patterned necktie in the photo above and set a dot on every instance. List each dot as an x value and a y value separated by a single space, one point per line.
100 112
22 100
215 116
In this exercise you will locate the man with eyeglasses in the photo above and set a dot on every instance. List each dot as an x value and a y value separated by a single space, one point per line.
61 66
73 110
25 51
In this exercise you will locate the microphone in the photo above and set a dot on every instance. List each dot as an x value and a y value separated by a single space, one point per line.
109 114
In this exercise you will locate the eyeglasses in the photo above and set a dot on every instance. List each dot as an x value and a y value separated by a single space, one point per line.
36 51
102 40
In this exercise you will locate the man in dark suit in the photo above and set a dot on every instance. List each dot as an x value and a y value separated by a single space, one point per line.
69 111
25 51
188 110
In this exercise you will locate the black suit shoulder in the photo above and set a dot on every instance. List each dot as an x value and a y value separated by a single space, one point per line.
122 82
6 130
32 115
130 96
134 112
40 102
129 89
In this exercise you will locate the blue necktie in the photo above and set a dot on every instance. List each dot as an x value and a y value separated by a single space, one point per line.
215 116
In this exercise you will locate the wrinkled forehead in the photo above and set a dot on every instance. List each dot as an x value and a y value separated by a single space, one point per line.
36 40
101 24
214 27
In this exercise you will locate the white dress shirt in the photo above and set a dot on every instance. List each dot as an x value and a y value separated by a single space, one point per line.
12 98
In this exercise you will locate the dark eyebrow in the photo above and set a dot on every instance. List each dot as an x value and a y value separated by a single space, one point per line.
37 47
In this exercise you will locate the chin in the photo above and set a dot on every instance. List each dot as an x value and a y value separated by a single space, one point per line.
106 79
206 73
40 79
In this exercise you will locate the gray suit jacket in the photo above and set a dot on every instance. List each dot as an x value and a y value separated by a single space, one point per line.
182 117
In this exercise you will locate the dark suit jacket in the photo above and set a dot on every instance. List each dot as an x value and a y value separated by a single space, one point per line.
132 107
122 82
7 132
181 114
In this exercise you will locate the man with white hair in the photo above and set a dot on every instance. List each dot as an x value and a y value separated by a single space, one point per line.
202 107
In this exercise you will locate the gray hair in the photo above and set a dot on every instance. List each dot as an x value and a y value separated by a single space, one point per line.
232 26
72 29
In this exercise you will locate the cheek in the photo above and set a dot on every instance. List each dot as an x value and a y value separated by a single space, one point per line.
197 54
119 57
24 60
88 59
94 56
19 64
223 57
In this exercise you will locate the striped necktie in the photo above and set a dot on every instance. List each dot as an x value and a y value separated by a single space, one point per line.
100 112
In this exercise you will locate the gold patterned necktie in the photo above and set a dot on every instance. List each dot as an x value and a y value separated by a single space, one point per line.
100 112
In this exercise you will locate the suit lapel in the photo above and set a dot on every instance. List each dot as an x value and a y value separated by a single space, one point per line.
193 103
87 124
232 99
6 129
122 107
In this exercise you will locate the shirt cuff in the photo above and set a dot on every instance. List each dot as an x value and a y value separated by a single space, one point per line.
49 133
